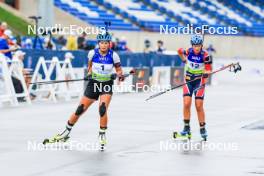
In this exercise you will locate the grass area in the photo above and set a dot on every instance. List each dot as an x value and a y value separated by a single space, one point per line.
15 23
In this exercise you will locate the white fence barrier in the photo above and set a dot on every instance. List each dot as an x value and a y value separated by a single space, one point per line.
11 69
63 70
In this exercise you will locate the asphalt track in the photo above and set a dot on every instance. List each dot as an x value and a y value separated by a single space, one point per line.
138 132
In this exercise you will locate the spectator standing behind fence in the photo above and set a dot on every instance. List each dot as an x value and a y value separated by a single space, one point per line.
72 43
160 47
61 42
5 47
68 75
27 44
122 45
49 44
18 56
147 46
27 73
81 40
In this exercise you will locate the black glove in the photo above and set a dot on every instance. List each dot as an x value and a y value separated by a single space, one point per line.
121 78
113 76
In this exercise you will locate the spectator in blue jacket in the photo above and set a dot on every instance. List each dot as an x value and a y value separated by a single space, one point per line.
4 46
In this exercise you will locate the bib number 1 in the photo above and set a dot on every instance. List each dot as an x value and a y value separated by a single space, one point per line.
102 66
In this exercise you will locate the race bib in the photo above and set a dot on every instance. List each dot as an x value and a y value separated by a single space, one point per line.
102 69
195 66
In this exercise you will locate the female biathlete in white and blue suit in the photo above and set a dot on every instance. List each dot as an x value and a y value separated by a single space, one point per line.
100 66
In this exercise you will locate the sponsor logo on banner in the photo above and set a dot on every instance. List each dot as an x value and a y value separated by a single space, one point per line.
141 78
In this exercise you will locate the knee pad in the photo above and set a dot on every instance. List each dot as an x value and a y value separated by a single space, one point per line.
102 109
79 110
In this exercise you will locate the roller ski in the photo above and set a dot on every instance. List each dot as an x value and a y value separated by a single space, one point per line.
55 139
184 134
62 137
102 140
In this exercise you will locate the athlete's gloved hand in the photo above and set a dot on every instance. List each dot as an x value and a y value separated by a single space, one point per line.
88 77
113 76
121 78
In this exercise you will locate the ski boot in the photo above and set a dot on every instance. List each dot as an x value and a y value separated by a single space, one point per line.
57 138
185 133
102 140
203 133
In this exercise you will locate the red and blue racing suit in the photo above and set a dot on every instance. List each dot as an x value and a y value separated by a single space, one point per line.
196 65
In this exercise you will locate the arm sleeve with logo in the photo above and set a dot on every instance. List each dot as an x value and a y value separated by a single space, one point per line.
116 59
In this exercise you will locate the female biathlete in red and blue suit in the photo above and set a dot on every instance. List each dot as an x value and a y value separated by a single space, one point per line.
197 64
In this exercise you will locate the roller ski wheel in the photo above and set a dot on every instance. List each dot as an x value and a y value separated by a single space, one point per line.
175 135
57 138
102 141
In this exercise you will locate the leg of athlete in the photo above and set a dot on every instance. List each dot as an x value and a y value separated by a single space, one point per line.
103 106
